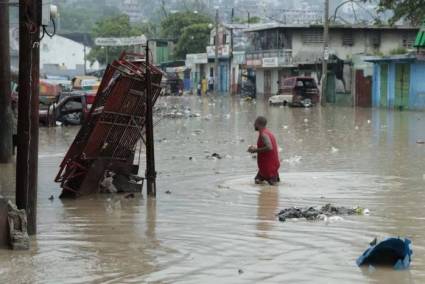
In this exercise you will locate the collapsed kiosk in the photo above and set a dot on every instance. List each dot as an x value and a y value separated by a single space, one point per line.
120 117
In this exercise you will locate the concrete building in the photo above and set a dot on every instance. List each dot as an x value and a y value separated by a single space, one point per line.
58 55
278 51
398 82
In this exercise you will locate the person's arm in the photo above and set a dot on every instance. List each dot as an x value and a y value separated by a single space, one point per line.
267 145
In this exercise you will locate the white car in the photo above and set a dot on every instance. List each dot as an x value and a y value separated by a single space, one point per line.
280 100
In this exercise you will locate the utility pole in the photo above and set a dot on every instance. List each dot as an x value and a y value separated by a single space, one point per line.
85 53
216 53
28 104
6 119
325 54
150 151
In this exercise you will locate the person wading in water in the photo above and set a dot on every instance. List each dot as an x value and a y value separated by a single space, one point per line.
267 153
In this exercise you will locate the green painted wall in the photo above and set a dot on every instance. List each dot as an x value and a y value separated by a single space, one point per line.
402 86
383 99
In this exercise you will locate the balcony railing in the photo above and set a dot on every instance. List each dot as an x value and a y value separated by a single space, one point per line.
283 57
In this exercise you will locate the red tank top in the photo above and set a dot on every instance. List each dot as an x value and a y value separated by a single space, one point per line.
268 162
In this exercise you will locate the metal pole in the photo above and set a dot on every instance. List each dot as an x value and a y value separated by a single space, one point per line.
325 53
85 54
216 84
28 104
150 152
6 117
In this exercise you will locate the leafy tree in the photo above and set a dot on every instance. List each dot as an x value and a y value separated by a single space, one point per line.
194 39
173 25
412 10
252 20
149 29
81 16
118 26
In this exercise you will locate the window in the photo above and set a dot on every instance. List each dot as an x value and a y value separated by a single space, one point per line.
375 39
408 41
313 37
347 38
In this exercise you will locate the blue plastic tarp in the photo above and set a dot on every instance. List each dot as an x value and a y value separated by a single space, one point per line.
396 252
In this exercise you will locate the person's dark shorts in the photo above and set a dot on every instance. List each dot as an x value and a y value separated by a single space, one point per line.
271 181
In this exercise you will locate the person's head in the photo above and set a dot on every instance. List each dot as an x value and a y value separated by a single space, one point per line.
260 123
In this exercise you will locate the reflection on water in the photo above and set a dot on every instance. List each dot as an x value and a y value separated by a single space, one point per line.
216 221
268 202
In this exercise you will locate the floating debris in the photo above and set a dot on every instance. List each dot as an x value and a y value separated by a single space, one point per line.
318 213
334 150
168 192
215 156
51 198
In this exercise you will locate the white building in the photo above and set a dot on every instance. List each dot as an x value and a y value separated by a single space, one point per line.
58 55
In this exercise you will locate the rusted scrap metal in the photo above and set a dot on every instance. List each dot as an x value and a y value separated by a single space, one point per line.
116 122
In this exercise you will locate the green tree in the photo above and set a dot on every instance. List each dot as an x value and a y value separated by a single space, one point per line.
194 39
173 25
252 20
412 10
82 15
149 29
118 26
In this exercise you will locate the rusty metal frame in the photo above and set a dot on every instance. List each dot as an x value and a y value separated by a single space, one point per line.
115 123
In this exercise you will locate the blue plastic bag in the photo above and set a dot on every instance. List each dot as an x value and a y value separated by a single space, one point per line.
395 252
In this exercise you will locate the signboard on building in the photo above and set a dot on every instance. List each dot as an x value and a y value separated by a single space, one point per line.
253 62
239 57
120 41
196 58
223 51
270 62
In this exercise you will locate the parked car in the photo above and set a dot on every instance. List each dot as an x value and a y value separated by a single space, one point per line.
71 108
88 84
297 91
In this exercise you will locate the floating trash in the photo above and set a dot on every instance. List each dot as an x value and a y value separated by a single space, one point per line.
318 213
334 150
392 252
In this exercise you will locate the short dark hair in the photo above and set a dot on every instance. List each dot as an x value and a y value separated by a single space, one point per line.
262 121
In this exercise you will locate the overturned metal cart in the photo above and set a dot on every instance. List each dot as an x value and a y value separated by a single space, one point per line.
120 117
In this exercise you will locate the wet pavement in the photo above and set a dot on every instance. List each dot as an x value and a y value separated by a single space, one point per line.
216 225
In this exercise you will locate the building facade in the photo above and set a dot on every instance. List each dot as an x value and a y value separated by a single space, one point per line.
279 51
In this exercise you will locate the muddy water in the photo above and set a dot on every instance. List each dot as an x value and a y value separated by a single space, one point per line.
216 225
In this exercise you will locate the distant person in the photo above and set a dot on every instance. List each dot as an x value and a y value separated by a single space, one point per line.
267 153
204 83
211 84
199 89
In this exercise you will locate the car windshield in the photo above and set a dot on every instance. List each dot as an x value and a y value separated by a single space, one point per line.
307 83
89 82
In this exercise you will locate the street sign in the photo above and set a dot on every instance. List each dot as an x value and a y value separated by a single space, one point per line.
270 62
120 41
326 53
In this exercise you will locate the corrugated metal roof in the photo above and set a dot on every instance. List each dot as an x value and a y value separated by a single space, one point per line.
420 38
262 27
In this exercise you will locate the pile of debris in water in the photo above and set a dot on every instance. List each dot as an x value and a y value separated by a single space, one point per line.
175 111
319 213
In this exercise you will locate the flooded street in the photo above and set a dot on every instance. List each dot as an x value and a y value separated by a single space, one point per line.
217 225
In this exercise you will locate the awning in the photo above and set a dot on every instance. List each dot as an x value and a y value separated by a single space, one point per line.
420 38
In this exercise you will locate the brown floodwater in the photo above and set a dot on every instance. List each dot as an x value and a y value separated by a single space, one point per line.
216 225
